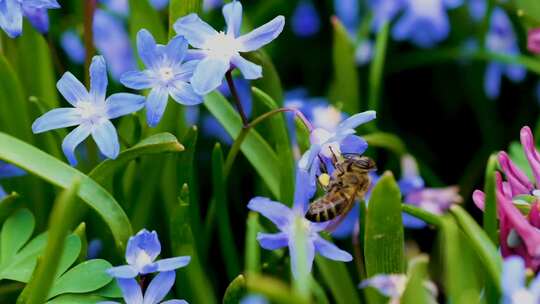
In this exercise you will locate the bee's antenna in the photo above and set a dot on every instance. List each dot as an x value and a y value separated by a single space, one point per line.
322 163
334 157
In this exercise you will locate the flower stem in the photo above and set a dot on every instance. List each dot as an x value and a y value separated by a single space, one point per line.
89 10
236 98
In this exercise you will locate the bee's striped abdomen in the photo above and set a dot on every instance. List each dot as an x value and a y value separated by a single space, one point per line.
329 206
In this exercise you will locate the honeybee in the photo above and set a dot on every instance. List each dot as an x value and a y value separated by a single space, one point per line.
349 181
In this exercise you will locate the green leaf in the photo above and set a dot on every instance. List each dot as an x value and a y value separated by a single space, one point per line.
79 299
416 291
490 210
155 144
426 216
255 148
180 8
144 16
235 291
60 174
345 86
272 289
530 7
59 225
377 68
387 141
22 265
8 204
16 231
384 240
253 251
336 277
85 277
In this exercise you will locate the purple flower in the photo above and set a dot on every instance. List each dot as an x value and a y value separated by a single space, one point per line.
141 253
157 290
219 51
166 75
501 39
12 11
289 221
348 12
8 171
91 112
73 46
389 285
515 289
533 41
305 20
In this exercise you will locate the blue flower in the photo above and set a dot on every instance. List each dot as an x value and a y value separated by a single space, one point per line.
325 143
91 112
112 41
348 12
305 20
254 299
515 290
157 290
364 52
165 75
12 11
120 7
390 285
477 9
288 220
501 39
219 51
384 11
141 253
159 4
424 23
8 171
73 46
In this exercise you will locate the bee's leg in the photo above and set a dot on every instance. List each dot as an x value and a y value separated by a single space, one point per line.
334 156
323 164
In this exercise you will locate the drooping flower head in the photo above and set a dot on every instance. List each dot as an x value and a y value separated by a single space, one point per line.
158 288
288 220
533 41
166 75
91 112
12 11
220 51
8 171
141 253
515 289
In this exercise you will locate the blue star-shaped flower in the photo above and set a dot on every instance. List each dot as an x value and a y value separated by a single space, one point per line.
219 51
166 74
12 11
91 112
141 253
288 220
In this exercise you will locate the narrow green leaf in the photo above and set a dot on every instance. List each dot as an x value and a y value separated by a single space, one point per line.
235 291
79 299
345 86
253 251
336 277
302 278
384 240
255 148
47 167
272 289
155 144
80 231
144 16
416 291
490 209
59 225
16 231
530 7
428 217
85 277
180 8
387 141
377 68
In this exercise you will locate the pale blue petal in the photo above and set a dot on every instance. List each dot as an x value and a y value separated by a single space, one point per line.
123 272
272 241
72 140
173 263
185 71
453 3
404 26
254 299
534 287
195 55
233 17
304 190
183 93
8 170
384 11
276 212
249 69
73 46
137 80
357 120
513 274
121 104
149 268
307 159
159 287
348 12
208 75
11 17
492 80
353 144
346 227
72 89
147 47
56 119
175 302
38 17
155 105
98 79
159 4
516 73
106 139
42 3
145 241
130 290
196 31
412 222
262 35
310 256
176 49
331 251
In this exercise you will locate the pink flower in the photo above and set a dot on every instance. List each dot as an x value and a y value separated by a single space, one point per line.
533 41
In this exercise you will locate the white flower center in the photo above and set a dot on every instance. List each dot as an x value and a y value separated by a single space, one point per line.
166 74
92 112
222 46
329 147
142 260
523 296
326 117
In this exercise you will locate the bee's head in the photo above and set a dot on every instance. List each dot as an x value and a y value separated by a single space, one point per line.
362 162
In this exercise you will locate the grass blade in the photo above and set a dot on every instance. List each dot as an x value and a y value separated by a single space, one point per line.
377 68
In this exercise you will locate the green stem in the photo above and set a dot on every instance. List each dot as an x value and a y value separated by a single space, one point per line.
376 71
427 217
236 98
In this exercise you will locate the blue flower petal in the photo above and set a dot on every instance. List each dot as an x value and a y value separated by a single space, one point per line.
98 79
106 139
353 144
56 119
146 46
123 272
72 140
262 35
346 228
249 69
175 302
137 80
384 11
276 212
304 190
183 93
72 89
196 31
159 4
453 3
331 251
8 170
534 287
233 17
492 80
121 104
357 120
272 241
159 287
130 290
208 75
348 12
515 72
42 3
310 256
155 105
412 222
172 263
513 274
176 49
38 17
145 241
185 71
11 17
2 193
73 46
305 20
